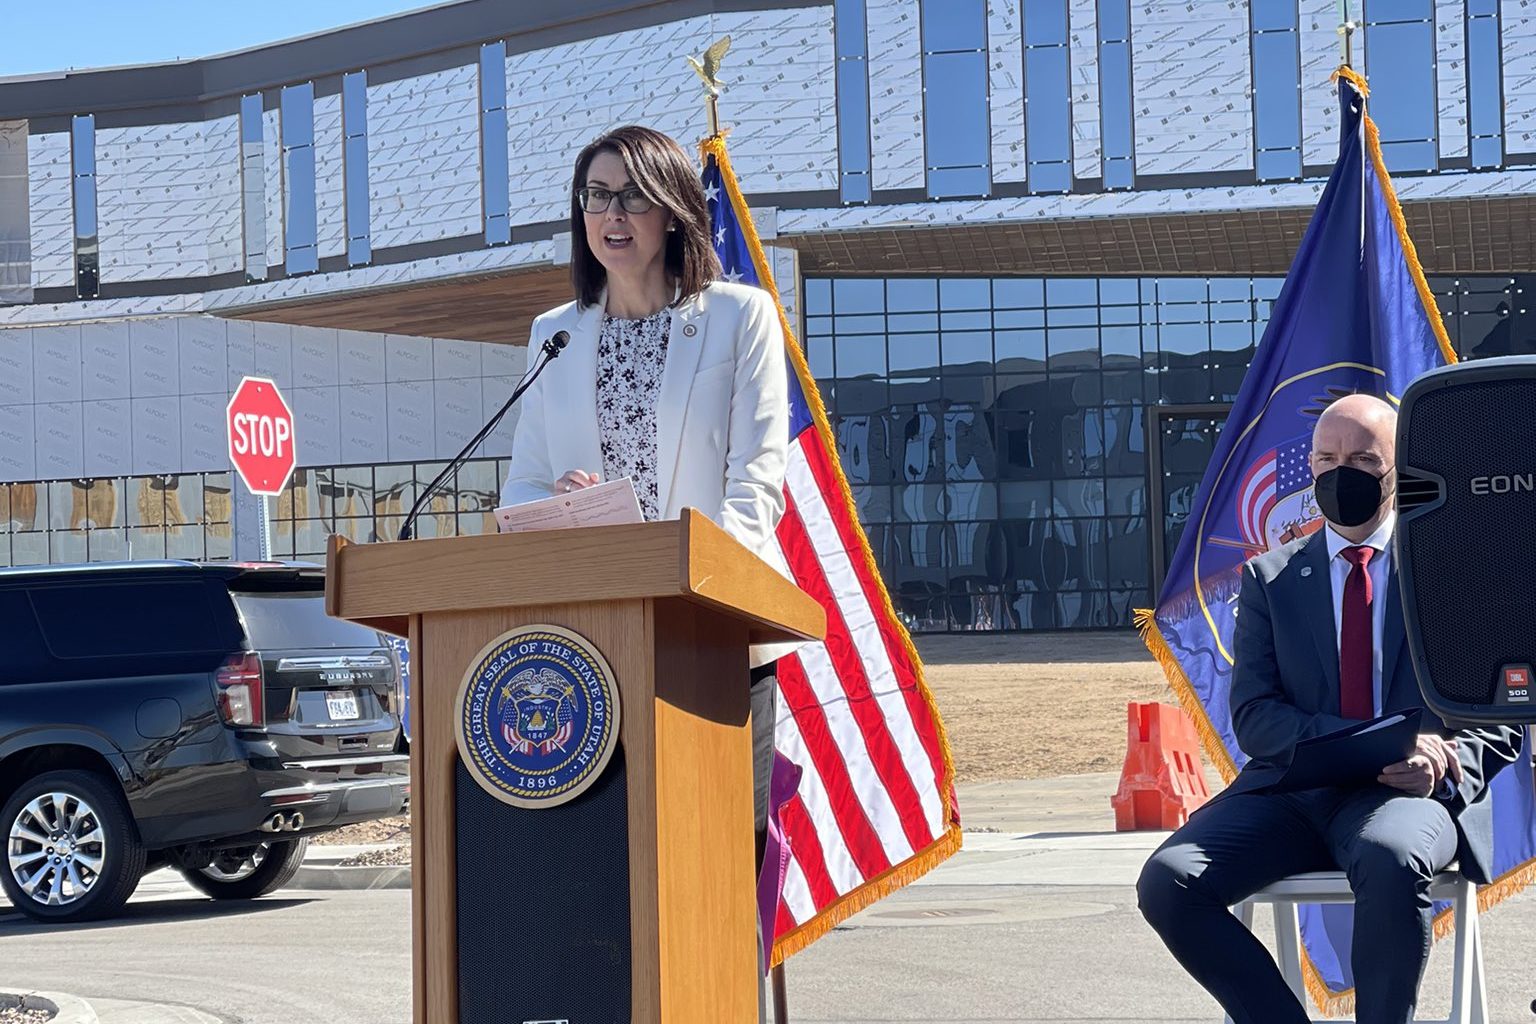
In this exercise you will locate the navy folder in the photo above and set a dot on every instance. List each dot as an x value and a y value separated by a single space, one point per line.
1354 756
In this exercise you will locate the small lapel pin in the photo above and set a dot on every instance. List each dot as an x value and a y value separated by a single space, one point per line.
689 330
1306 571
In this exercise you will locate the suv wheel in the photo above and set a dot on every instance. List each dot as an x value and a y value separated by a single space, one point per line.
72 852
245 872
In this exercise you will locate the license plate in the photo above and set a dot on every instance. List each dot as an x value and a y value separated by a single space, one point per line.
341 705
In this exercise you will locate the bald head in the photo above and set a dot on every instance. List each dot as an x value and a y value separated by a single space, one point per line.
1360 432
1357 430
1363 410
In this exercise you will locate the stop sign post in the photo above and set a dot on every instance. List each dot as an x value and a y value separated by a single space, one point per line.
261 444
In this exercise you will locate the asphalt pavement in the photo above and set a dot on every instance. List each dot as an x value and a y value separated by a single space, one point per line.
1027 924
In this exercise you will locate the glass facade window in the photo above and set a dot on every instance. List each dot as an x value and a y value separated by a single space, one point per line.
110 519
1047 99
995 432
368 503
853 146
495 183
956 121
354 155
301 253
1400 57
1485 87
82 150
253 187
1117 125
1276 90
1488 316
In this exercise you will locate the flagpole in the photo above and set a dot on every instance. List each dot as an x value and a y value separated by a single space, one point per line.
707 67
1346 31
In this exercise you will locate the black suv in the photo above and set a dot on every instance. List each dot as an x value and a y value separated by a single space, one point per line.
206 716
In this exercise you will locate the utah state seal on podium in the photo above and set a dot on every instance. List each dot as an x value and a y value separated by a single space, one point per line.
539 716
581 765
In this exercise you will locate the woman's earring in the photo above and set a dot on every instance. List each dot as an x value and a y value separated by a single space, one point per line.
672 226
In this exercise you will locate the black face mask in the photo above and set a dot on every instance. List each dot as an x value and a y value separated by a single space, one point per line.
1348 496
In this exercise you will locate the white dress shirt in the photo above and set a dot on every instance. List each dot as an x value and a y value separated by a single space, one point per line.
1380 570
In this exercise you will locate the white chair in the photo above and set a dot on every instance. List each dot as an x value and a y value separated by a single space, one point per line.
1469 993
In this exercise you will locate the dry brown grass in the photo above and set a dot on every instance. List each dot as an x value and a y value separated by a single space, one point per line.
1034 705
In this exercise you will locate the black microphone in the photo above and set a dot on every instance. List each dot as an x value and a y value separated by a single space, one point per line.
548 351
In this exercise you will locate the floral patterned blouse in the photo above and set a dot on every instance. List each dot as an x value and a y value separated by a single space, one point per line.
630 357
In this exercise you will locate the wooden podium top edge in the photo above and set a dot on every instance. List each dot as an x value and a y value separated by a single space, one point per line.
690 558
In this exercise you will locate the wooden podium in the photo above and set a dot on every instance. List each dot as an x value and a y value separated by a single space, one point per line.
635 901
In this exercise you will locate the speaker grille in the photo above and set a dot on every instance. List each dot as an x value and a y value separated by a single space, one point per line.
544 905
1471 561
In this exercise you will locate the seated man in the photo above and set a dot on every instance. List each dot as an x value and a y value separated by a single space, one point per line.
1319 642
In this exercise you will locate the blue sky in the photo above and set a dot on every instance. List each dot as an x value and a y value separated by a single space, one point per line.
48 35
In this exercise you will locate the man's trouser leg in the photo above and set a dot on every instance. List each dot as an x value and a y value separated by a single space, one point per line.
1390 845
1226 852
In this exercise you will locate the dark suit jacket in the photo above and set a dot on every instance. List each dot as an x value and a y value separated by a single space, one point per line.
1285 686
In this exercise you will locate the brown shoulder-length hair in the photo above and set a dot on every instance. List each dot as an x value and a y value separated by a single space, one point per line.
659 168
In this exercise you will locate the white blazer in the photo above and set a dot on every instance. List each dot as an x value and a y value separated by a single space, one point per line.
722 416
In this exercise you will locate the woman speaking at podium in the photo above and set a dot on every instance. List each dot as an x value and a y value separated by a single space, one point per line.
671 377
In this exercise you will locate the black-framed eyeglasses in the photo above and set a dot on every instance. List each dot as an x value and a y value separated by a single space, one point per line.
597 200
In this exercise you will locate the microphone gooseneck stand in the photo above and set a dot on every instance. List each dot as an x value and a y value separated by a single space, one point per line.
548 351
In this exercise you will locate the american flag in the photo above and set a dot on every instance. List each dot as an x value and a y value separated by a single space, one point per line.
1280 473
875 808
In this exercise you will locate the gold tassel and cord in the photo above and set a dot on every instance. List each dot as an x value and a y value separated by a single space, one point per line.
942 848
1336 1004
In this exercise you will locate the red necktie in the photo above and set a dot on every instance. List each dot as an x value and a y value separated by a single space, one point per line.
1356 697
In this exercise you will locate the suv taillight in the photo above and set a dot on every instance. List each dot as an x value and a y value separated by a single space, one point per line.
240 698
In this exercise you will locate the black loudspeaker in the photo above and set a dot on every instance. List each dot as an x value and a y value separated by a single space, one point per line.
1466 538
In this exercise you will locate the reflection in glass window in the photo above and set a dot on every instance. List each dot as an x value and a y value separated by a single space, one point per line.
1400 54
495 183
1007 489
956 121
253 187
354 127
298 132
853 147
83 177
19 509
1485 100
1276 90
818 296
858 295
1048 106
1115 114
108 519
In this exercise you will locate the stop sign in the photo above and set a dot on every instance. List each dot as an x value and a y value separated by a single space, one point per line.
261 442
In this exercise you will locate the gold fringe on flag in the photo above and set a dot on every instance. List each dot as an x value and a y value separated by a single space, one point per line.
1184 691
940 850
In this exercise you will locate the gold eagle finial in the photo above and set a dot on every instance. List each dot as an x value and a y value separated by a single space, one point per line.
708 67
